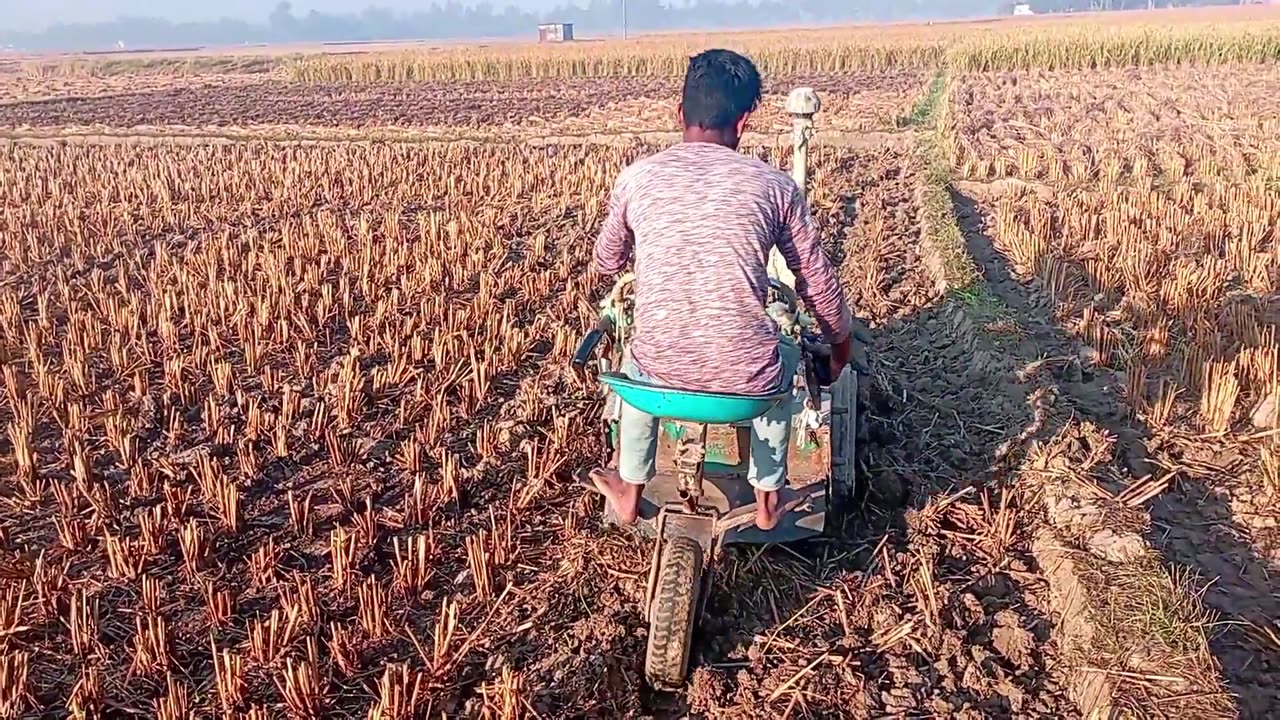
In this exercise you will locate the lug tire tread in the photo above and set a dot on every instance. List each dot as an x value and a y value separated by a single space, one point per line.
673 616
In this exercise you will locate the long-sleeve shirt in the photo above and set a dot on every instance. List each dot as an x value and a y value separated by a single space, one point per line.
700 219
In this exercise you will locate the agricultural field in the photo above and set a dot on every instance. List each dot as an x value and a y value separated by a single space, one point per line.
273 464
289 426
573 106
28 81
1144 205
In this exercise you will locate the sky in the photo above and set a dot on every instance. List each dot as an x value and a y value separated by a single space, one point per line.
35 15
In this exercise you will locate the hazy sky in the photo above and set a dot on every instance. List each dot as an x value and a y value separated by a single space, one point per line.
26 15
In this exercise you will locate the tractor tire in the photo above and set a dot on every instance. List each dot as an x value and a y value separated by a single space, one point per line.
674 613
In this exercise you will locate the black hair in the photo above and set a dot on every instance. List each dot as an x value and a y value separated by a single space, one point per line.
720 86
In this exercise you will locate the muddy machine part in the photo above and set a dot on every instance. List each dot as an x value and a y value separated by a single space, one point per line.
700 499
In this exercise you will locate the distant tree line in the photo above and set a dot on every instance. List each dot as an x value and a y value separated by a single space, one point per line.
454 20
1052 6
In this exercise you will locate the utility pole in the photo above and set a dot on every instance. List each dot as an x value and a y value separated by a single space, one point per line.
624 19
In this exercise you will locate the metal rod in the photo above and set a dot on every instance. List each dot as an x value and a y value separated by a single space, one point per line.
801 128
800 132
802 104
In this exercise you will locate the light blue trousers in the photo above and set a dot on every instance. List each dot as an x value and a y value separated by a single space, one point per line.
770 434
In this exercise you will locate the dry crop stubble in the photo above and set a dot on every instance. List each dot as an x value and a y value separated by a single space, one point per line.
1144 204
261 383
1216 34
410 88
1153 224
289 423
1103 40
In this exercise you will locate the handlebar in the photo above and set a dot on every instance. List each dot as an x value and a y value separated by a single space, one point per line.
582 355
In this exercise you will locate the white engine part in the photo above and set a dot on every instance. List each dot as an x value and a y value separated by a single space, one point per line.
804 102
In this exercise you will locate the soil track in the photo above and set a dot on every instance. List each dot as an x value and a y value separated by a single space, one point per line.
1191 523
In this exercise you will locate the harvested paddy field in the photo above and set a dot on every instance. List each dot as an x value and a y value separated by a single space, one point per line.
260 464
289 428
19 87
1142 207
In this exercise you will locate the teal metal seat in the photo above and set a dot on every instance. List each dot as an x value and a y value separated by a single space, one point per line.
689 405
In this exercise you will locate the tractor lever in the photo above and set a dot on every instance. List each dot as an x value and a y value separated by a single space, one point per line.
582 355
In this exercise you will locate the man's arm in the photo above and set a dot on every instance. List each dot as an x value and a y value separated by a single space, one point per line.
616 240
816 281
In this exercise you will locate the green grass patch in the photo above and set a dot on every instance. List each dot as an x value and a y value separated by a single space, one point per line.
924 109
979 299
939 228
1153 617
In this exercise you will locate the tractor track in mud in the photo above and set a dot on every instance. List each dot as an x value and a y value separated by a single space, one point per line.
934 604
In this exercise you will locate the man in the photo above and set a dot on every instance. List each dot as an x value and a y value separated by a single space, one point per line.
700 219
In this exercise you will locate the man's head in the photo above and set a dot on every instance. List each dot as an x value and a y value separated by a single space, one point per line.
721 89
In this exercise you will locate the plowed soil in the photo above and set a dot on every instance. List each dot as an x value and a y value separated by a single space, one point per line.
850 103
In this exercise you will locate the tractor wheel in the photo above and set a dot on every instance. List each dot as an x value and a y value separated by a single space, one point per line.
673 613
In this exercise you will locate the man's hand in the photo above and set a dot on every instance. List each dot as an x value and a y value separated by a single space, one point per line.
852 350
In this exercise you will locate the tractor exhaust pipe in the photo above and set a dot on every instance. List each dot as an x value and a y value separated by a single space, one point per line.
802 104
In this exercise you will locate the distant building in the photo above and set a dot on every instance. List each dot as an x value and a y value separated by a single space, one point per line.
1023 9
555 32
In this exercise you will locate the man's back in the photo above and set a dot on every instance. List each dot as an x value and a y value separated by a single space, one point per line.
700 220
704 218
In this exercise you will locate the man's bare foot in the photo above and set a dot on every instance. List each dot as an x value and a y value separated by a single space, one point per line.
767 512
623 497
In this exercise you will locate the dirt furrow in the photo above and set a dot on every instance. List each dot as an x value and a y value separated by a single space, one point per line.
1153 564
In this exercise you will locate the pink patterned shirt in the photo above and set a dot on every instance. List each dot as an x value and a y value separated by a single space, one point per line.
699 220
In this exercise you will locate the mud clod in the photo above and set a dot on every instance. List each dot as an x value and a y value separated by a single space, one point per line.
1012 641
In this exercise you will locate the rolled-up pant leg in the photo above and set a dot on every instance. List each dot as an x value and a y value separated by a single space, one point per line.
637 437
771 432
